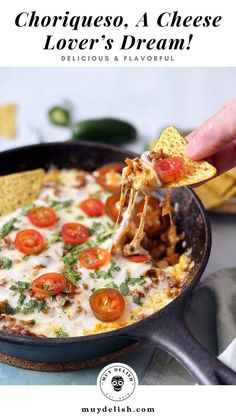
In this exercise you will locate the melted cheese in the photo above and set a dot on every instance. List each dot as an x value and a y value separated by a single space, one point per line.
77 318
138 177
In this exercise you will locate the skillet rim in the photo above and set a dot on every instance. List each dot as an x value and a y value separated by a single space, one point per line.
54 341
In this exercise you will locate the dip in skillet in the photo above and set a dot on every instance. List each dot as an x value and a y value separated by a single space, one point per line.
58 275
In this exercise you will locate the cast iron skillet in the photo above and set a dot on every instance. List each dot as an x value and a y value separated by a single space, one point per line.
166 328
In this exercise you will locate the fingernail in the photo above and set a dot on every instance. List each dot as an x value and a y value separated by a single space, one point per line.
190 149
189 136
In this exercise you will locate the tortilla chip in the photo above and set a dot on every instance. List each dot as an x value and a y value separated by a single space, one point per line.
210 198
19 189
52 174
232 173
153 144
221 185
226 208
193 172
8 120
218 191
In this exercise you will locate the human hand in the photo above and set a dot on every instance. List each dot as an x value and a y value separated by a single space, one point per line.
215 139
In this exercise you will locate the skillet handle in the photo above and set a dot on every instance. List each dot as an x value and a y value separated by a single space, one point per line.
172 334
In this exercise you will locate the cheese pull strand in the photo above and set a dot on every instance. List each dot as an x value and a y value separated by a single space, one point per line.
120 234
137 177
135 248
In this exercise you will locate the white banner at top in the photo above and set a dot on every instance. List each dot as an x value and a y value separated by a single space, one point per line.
125 33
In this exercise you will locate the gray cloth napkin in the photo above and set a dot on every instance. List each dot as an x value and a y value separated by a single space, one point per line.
211 316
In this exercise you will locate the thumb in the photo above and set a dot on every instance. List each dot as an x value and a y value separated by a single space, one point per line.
214 134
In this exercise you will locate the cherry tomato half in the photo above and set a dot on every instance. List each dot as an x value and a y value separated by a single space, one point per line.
168 169
48 284
138 258
74 233
42 216
109 176
107 304
93 207
30 242
94 258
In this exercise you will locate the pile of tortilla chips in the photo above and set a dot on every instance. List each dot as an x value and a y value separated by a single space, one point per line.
19 189
173 144
219 193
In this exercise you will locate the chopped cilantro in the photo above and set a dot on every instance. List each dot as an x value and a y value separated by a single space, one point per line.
65 302
5 263
12 310
124 286
114 267
101 232
57 205
72 276
42 305
112 285
60 333
80 217
29 307
69 260
135 281
99 273
33 305
124 289
27 208
91 243
95 195
8 227
55 238
32 321
137 300
74 249
21 299
20 286
26 257
95 227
